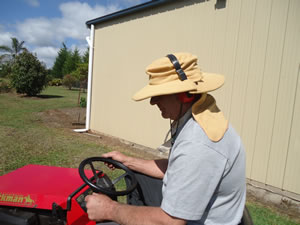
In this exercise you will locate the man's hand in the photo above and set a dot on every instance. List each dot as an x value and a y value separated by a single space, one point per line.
152 168
118 156
99 207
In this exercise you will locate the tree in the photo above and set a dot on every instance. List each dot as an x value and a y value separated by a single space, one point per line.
10 53
2 58
69 81
15 49
85 57
29 75
5 69
57 69
72 62
81 74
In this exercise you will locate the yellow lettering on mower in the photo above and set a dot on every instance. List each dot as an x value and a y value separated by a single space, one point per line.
16 199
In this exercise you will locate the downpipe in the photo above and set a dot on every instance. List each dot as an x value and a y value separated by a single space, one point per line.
90 41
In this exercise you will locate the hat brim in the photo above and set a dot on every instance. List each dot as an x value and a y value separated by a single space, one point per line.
176 86
209 82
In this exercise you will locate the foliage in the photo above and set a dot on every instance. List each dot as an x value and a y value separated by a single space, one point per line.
5 86
5 69
55 82
69 81
9 53
83 102
81 74
71 62
68 61
57 70
29 76
16 48
85 57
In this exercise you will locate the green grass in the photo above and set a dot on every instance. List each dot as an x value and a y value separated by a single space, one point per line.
265 216
25 139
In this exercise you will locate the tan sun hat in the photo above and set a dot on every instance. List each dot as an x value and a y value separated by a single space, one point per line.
164 80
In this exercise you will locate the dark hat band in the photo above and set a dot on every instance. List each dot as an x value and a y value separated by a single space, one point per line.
176 64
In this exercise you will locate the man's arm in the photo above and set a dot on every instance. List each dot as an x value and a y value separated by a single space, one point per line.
101 207
153 168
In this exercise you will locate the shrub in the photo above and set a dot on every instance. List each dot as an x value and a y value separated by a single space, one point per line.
69 81
56 82
28 76
5 86
5 69
83 102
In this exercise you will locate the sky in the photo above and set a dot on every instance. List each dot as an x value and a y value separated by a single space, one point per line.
45 24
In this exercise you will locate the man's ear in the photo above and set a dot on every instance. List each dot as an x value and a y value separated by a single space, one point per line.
185 97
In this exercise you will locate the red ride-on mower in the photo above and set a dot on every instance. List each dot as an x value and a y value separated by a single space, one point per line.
45 195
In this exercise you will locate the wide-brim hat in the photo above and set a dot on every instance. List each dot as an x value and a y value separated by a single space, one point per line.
164 80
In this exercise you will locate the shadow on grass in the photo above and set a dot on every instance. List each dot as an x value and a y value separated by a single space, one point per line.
49 96
77 90
42 96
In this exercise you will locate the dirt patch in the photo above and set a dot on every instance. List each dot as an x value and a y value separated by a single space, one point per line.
74 118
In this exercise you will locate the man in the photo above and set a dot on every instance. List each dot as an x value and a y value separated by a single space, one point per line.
203 181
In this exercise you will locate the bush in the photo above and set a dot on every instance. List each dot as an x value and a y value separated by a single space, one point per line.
56 82
28 76
83 102
69 81
5 69
5 86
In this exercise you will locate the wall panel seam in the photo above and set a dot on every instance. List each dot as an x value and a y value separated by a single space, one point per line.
247 81
272 135
235 58
263 84
261 88
254 150
291 127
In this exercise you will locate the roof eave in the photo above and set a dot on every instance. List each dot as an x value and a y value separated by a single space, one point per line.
128 11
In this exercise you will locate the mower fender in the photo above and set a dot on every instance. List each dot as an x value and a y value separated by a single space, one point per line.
77 216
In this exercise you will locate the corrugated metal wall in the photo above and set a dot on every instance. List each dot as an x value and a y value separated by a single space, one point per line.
254 43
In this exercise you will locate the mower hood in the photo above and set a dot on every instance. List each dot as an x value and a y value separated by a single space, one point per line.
36 186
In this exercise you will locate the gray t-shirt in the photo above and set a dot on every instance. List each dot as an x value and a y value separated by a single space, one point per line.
205 180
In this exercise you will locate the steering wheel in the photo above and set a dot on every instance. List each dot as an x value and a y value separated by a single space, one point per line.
101 183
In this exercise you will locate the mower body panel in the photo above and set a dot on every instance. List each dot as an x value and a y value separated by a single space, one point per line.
36 186
77 216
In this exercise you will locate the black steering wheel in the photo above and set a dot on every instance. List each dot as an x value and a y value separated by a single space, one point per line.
101 183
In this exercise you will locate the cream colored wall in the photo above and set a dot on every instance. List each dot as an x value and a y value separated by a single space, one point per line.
254 43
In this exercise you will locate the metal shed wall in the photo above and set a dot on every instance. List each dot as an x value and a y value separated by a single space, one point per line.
255 44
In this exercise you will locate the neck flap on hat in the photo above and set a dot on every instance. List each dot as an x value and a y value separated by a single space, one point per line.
210 117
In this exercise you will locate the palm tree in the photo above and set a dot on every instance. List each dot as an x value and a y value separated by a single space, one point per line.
10 53
16 48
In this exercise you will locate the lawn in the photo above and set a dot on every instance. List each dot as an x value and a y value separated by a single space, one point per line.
26 139
263 215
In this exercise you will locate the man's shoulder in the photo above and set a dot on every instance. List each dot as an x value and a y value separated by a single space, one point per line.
193 133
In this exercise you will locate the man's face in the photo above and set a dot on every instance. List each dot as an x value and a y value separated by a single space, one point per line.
169 105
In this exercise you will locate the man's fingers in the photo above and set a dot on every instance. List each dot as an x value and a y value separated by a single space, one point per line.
86 199
89 197
110 166
108 154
